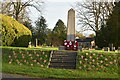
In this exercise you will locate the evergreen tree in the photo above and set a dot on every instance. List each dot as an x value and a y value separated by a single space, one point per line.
113 26
109 34
28 25
59 33
41 30
49 37
102 37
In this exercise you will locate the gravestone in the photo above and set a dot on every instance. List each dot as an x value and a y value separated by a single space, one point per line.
111 47
106 48
71 25
61 47
36 42
80 48
97 48
118 49
29 46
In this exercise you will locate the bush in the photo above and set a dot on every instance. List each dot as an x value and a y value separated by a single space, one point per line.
14 33
21 57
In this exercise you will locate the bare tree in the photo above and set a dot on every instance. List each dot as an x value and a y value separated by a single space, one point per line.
79 35
17 8
92 14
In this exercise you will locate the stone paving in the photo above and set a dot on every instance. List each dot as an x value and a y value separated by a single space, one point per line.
13 76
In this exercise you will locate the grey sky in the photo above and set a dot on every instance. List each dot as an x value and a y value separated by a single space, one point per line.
58 11
54 10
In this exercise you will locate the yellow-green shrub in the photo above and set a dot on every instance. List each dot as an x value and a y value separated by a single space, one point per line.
14 33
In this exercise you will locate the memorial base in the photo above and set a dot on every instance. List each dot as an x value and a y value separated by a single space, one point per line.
61 47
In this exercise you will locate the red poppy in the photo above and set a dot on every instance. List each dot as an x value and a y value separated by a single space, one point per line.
106 64
84 65
93 66
89 68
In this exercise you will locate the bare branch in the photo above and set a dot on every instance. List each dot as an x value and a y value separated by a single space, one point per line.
17 7
91 14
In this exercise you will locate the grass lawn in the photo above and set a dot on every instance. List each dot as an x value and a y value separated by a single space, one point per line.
37 72
100 51
32 48
52 48
45 48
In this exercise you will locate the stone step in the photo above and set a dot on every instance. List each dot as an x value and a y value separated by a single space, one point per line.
63 63
63 67
58 57
66 59
64 52
63 56
59 52
63 60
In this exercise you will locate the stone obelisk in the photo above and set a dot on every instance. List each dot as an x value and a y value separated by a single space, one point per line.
71 25
70 43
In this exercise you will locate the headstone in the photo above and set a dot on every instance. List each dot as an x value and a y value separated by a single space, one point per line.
96 48
106 48
114 49
61 47
80 48
71 25
111 47
36 42
92 44
29 45
118 49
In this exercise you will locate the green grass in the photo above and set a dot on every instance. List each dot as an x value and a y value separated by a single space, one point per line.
45 48
54 73
100 51
86 58
26 57
32 48
0 62
53 48
40 72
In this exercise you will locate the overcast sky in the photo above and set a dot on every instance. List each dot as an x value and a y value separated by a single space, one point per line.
57 9
54 10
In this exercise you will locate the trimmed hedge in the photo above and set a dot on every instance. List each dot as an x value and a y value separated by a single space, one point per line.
92 61
14 33
25 57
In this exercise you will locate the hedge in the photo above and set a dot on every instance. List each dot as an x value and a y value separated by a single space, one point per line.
14 33
25 57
